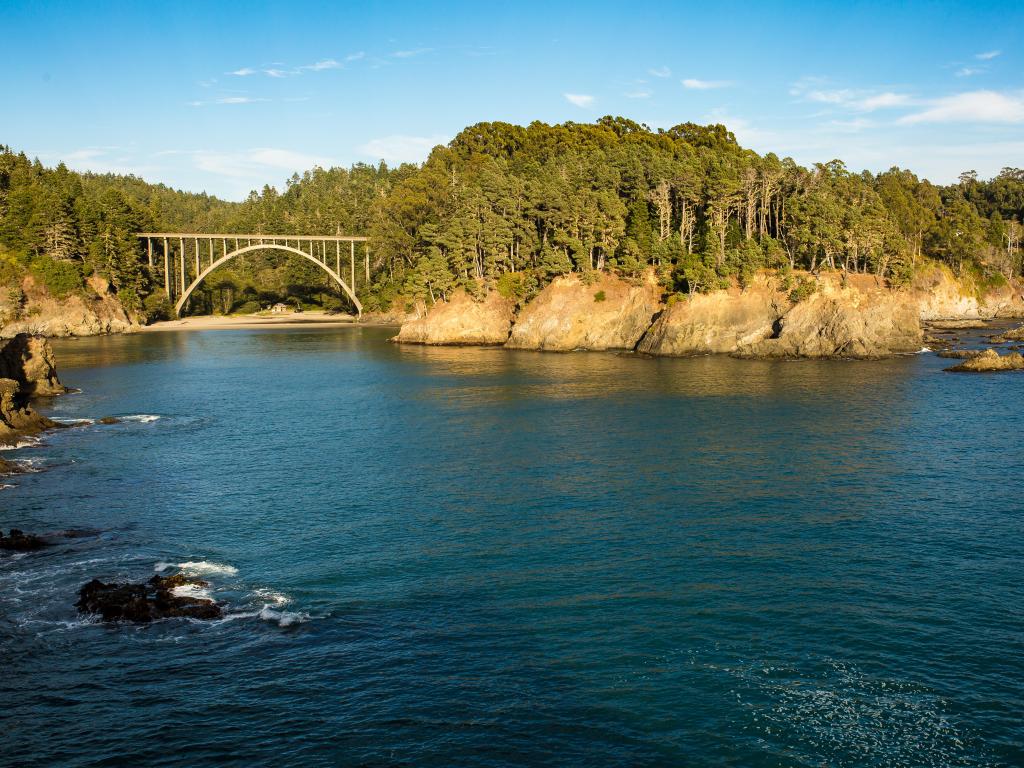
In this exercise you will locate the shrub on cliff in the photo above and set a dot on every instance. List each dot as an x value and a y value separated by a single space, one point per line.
61 278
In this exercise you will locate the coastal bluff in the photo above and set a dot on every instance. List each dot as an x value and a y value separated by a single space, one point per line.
841 317
26 370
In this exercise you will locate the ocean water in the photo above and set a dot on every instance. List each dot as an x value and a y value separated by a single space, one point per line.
477 557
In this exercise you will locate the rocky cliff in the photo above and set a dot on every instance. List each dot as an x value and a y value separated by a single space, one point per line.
716 323
571 314
461 320
26 370
851 316
941 296
31 309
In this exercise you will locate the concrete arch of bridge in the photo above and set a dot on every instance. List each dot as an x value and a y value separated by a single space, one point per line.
267 246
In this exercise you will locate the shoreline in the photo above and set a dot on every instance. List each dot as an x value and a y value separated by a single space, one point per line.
249 322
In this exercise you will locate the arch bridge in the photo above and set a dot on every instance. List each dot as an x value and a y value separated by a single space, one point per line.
189 257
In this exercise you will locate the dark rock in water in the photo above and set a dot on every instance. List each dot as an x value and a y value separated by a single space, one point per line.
960 354
19 541
110 420
141 603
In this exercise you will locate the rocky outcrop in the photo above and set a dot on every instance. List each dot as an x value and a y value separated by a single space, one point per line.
16 416
95 311
570 314
846 324
29 361
18 541
990 361
461 320
143 603
1013 334
722 322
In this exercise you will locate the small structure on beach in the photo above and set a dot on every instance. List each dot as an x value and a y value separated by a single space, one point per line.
279 308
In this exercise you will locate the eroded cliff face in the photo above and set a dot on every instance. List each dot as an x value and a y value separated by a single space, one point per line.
847 324
26 370
96 312
571 315
940 296
721 322
461 320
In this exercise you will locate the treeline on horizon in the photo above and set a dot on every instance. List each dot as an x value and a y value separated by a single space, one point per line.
513 207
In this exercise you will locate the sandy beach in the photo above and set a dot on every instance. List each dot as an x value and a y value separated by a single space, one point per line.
284 320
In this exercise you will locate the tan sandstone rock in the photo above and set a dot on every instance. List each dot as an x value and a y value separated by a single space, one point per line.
846 323
570 314
29 361
461 320
990 361
716 323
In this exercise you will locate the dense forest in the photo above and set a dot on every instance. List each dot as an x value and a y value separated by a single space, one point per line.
511 207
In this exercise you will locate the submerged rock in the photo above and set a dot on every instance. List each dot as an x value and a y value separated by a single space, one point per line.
18 541
150 601
109 420
461 320
990 361
573 314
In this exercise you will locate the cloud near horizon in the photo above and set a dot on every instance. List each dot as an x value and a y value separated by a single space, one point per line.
400 148
971 107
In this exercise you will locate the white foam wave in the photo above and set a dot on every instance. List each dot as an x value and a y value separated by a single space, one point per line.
75 422
193 591
923 350
143 418
198 566
283 618
271 596
25 442
4 486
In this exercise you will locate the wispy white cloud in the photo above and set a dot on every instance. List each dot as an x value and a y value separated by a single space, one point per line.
401 149
582 100
273 72
704 85
229 100
356 56
971 107
408 54
243 72
320 66
987 55
660 72
640 93
248 163
858 100
969 71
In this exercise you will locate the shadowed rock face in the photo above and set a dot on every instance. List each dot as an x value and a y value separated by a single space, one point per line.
990 361
462 320
29 361
142 603
570 314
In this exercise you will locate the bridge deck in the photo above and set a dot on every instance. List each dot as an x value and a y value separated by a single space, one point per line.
264 236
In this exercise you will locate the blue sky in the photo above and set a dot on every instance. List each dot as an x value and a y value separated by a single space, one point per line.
226 97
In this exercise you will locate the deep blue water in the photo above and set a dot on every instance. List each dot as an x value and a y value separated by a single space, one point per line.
480 557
